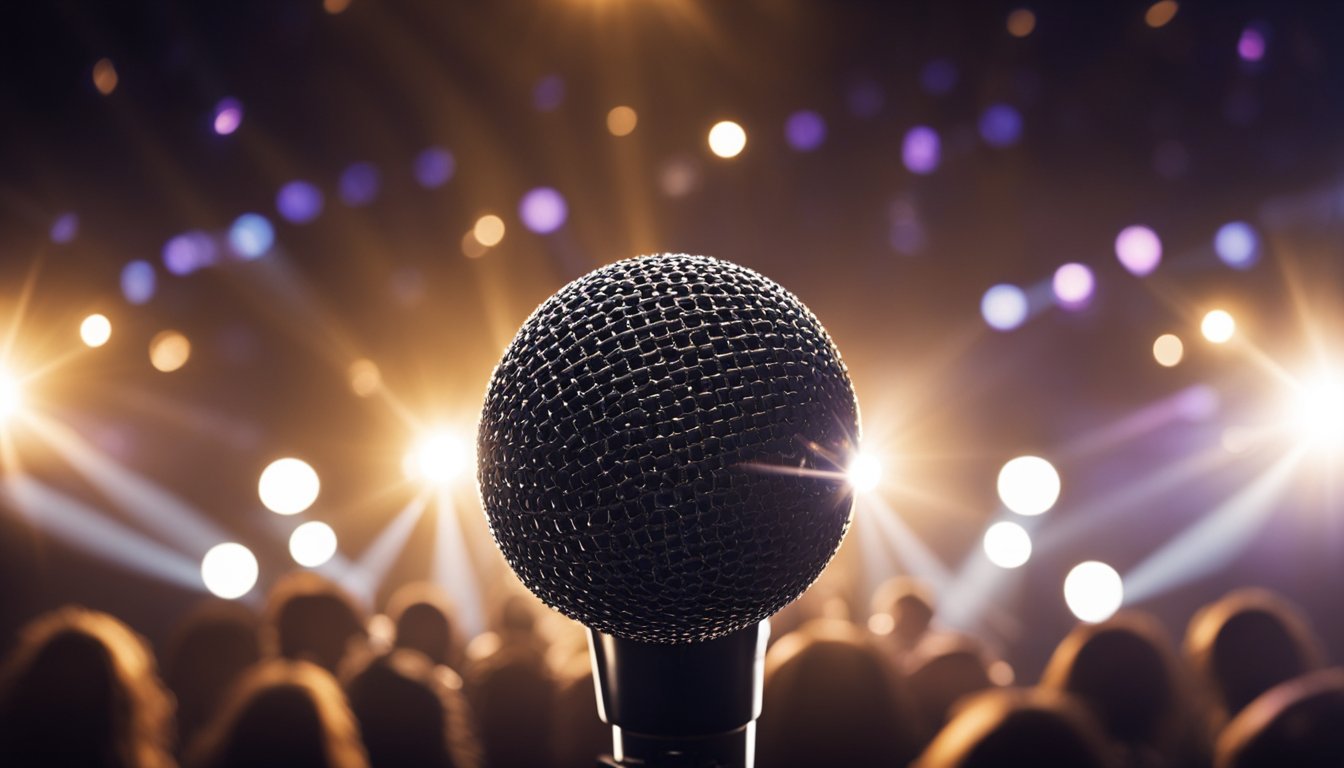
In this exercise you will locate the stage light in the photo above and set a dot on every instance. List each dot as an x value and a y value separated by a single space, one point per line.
1237 244
921 150
299 202
727 139
1218 326
138 282
312 544
543 210
11 395
359 184
621 121
95 330
169 350
1004 307
228 116
1001 125
1093 591
438 457
1317 411
434 167
105 76
1139 249
864 472
288 486
65 228
1168 350
1029 485
1007 545
489 230
365 378
1021 22
805 130
251 236
1161 13
1073 284
229 570
1251 45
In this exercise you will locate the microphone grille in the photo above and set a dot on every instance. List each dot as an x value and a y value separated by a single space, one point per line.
658 449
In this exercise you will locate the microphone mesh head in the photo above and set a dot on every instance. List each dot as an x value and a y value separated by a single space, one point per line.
659 445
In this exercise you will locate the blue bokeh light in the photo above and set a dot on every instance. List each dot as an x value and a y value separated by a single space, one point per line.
435 167
1001 125
251 236
1237 244
1004 307
138 281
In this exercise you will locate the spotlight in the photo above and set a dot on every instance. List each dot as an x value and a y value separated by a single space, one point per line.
1093 591
438 457
229 570
11 395
1029 485
1318 410
864 472
288 486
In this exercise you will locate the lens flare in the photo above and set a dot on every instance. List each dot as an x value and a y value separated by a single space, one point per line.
438 457
1029 485
11 395
288 486
1093 591
1317 411
229 571
95 330
1007 545
864 472
312 544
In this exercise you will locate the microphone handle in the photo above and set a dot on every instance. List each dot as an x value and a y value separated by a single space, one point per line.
692 705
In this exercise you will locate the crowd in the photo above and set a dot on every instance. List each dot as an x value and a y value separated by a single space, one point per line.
313 682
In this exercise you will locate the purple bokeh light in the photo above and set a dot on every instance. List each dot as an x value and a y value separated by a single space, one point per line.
921 150
435 167
188 252
1251 45
938 77
299 202
1237 244
548 93
805 130
1004 307
138 281
1138 249
228 116
1073 284
65 228
1001 125
543 210
359 184
865 98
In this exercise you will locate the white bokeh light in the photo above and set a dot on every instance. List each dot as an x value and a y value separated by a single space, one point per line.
1093 591
1218 326
1007 545
288 486
95 330
229 570
1029 485
312 544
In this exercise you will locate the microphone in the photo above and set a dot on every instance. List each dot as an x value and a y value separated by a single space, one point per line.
658 459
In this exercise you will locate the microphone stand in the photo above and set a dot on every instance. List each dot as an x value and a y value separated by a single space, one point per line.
692 705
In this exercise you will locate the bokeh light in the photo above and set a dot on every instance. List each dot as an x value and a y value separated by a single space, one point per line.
434 167
1138 249
864 472
1317 410
727 139
471 247
1168 350
288 486
138 282
299 202
865 98
488 230
1007 544
11 395
1218 326
1073 284
1251 45
1029 485
1161 13
359 184
335 6
228 116
95 330
65 228
679 176
543 210
251 236
1093 591
548 93
1237 244
229 570
1004 307
169 351
621 121
938 77
105 76
312 544
1001 125
365 378
921 150
805 130
438 457
1021 22
188 252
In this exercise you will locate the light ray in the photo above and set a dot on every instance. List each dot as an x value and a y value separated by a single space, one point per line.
452 568
365 576
1191 402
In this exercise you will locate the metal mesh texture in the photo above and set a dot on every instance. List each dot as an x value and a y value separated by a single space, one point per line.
639 444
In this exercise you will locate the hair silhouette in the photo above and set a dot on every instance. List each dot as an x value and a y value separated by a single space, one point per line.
310 618
412 713
423 617
1299 723
209 652
1016 727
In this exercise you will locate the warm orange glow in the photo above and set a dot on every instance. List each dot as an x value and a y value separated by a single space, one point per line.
1021 22
335 6
489 230
621 121
105 76
169 350
365 379
1160 13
